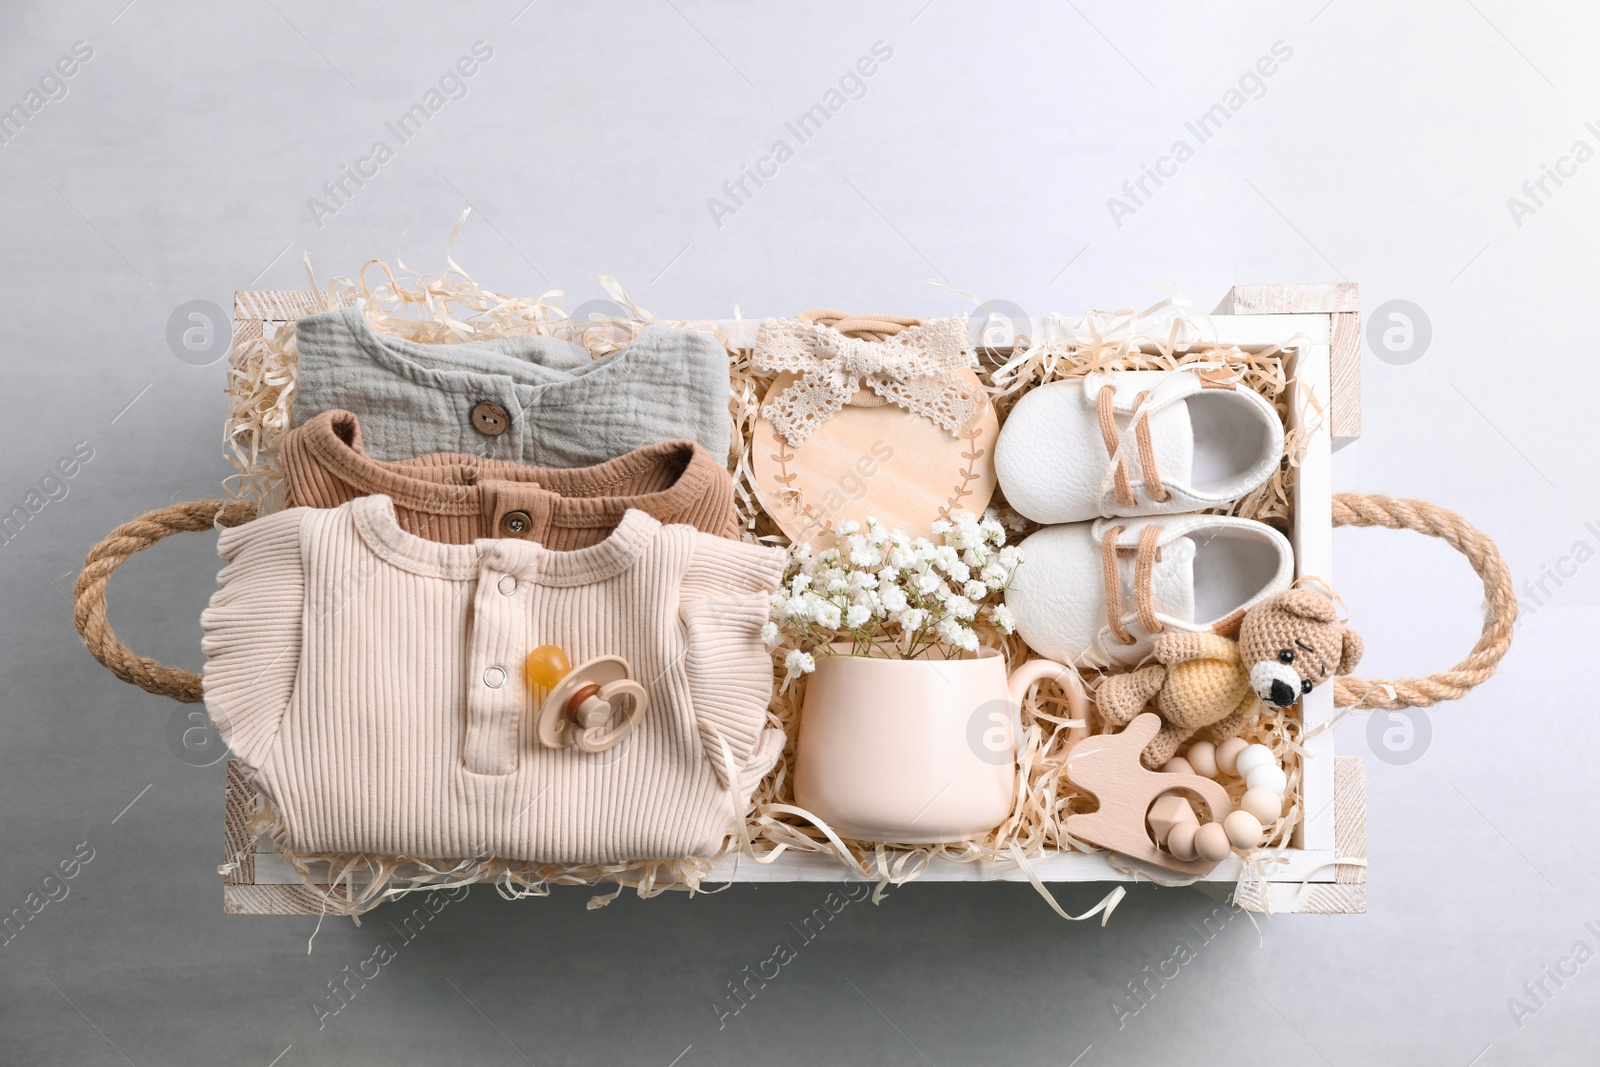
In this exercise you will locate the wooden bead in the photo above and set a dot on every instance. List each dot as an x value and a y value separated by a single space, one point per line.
1202 756
1180 841
1270 777
1168 810
1177 765
1211 842
1252 757
1263 803
1243 829
1228 755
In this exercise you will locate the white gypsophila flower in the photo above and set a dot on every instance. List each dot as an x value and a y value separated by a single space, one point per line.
797 663
945 556
877 532
771 636
860 580
800 583
977 556
974 590
961 607
893 599
926 584
776 602
914 618
798 607
993 532
949 631
901 557
857 616
846 528
1009 519
888 576
828 557
994 576
826 614
865 555
967 531
1002 618
940 527
969 640
1010 556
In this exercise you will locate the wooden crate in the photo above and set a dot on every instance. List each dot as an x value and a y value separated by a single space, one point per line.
1324 870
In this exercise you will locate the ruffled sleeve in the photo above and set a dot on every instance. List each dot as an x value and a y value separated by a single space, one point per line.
725 597
251 632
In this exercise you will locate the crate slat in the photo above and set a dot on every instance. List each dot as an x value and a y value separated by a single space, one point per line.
1341 302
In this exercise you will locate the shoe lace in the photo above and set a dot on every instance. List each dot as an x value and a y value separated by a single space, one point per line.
1104 401
1146 555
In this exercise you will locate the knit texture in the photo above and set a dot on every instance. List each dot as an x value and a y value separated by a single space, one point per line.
350 666
1205 679
566 409
457 499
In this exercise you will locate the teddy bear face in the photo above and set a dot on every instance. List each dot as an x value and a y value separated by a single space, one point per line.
1293 642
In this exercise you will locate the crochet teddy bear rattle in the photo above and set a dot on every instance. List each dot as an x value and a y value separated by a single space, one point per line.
1209 684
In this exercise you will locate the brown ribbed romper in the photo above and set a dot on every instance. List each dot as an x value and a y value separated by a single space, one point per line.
456 499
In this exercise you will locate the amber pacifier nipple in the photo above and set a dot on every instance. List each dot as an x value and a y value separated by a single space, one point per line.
546 666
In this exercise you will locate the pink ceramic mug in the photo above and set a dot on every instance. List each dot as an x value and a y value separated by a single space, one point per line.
916 751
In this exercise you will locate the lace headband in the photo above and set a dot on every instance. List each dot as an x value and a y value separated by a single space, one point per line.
912 369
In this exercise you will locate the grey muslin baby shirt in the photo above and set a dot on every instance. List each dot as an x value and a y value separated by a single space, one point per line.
529 399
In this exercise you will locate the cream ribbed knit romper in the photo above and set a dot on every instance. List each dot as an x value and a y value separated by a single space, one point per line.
371 683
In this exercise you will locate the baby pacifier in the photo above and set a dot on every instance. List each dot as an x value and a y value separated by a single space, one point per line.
582 700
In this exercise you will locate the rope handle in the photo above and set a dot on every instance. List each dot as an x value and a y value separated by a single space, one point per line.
89 592
1356 509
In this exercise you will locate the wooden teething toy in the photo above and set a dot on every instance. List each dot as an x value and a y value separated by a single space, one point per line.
583 699
1108 766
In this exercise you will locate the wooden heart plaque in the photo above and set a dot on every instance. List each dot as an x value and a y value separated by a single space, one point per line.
873 459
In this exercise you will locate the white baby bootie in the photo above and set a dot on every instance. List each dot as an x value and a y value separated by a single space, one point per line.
1136 443
1096 594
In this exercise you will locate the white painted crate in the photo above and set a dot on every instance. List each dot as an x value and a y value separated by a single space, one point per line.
1325 870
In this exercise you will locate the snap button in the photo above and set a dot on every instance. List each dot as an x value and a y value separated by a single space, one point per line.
490 419
507 584
494 677
516 523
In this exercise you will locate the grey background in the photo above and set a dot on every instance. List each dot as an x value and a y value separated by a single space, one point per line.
178 167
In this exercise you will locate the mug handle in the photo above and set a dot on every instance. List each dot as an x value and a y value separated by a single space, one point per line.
1041 670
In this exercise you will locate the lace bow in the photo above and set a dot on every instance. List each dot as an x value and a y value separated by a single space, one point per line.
912 369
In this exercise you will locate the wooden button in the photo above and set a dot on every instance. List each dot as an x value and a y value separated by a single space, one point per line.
490 419
516 523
